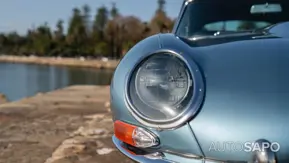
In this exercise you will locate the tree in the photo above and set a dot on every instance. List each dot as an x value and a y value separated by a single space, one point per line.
114 11
100 21
77 34
3 42
109 34
113 32
58 43
13 42
133 30
98 39
59 33
160 22
86 18
161 5
42 39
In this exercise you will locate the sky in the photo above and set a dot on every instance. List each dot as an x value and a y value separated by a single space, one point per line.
20 15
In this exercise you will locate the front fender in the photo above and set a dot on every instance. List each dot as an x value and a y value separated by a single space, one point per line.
180 140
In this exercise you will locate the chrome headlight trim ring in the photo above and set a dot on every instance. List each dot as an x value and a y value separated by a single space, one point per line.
190 109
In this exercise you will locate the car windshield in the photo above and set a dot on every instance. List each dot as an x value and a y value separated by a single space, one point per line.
217 17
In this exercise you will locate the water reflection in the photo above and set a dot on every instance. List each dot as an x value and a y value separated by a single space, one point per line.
22 80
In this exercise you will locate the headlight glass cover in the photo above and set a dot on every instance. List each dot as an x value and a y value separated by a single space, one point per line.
160 88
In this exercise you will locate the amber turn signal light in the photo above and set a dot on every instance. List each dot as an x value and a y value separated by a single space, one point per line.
124 131
133 135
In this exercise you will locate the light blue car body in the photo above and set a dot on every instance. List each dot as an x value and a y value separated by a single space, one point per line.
246 84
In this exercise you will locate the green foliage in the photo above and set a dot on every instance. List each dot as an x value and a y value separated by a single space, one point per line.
109 34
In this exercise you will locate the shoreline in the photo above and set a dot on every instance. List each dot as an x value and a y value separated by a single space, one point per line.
59 61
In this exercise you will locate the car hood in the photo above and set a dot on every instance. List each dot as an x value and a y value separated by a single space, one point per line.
247 95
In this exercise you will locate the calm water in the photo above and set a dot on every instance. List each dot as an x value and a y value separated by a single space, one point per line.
22 80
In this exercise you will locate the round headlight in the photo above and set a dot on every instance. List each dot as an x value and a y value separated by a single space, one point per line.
160 88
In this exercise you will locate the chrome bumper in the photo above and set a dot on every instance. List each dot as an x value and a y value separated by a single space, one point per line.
167 158
147 159
137 158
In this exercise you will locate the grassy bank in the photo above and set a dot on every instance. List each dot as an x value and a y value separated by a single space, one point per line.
58 61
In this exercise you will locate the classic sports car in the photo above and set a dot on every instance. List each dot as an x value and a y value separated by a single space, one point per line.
214 90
